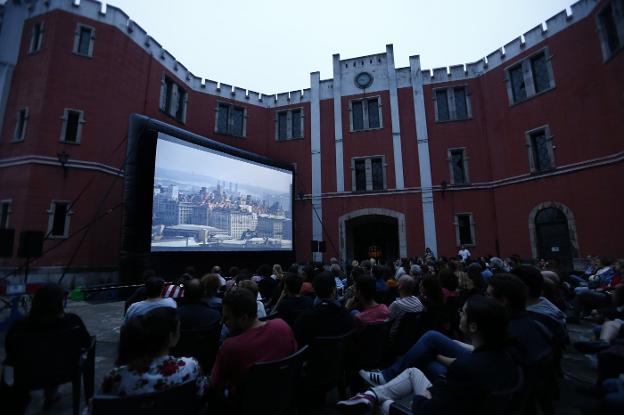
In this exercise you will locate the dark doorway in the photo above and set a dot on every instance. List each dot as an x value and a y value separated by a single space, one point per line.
553 236
376 234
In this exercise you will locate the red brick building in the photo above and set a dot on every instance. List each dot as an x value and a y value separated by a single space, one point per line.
517 153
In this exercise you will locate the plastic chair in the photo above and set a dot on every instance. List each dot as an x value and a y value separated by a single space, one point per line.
203 345
270 386
181 399
48 359
325 367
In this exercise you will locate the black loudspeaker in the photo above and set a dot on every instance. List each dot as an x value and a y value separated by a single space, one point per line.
6 242
314 246
31 244
322 247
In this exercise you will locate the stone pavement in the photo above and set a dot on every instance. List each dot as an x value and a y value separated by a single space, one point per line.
103 319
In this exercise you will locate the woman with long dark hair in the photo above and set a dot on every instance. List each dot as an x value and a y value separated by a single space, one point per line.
143 362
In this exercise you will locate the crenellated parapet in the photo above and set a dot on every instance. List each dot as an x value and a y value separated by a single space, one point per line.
375 64
509 51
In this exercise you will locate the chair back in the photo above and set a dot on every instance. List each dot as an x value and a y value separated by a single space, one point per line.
411 327
47 358
325 368
369 345
270 386
203 345
181 399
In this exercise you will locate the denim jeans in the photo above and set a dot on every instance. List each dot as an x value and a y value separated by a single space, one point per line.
424 352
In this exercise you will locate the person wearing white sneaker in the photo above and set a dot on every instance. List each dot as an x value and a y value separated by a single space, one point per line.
470 379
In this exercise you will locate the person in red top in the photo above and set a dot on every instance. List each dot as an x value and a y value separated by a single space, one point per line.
365 309
250 341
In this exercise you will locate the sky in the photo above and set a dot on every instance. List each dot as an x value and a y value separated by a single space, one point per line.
271 46
178 155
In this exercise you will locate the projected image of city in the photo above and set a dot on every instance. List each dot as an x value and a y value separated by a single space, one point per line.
205 200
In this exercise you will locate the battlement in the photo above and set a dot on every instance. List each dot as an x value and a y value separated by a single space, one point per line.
506 53
114 16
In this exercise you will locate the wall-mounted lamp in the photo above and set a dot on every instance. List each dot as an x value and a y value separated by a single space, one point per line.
63 158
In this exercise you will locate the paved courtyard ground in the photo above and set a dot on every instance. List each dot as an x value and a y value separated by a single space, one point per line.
104 318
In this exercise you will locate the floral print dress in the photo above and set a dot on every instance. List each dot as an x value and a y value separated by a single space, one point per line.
163 373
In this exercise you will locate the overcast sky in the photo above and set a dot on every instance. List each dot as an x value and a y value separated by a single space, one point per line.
271 46
184 157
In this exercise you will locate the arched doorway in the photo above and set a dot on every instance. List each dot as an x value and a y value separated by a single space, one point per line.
372 232
553 233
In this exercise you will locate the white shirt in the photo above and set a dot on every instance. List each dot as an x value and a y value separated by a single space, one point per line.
464 253
143 307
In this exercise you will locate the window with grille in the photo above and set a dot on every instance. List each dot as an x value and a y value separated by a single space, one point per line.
458 166
610 22
231 120
452 104
368 173
365 114
541 150
289 124
84 38
173 99
464 229
529 77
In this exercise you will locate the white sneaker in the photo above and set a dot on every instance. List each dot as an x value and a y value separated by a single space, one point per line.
373 378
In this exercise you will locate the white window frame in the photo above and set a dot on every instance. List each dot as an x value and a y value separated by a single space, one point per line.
365 120
617 12
176 95
79 27
449 154
472 229
8 202
450 97
368 171
289 133
81 121
35 47
531 150
68 215
527 72
230 120
17 134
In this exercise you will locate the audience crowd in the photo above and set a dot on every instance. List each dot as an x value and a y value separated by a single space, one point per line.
489 333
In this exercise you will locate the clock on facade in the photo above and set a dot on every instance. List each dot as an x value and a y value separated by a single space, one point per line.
363 80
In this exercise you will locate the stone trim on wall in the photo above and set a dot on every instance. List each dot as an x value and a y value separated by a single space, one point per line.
571 226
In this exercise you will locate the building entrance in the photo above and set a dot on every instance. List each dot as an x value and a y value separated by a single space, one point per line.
374 236
553 236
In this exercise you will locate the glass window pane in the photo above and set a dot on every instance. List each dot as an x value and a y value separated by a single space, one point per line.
296 123
442 105
71 128
461 109
360 175
222 118
457 164
282 125
373 113
84 41
238 115
540 72
465 231
517 83
358 115
377 171
58 223
541 151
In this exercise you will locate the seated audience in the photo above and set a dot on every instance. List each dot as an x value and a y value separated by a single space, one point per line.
536 303
154 287
250 341
194 313
144 364
140 293
381 288
473 373
406 303
46 316
292 304
211 285
369 311
327 317
216 270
